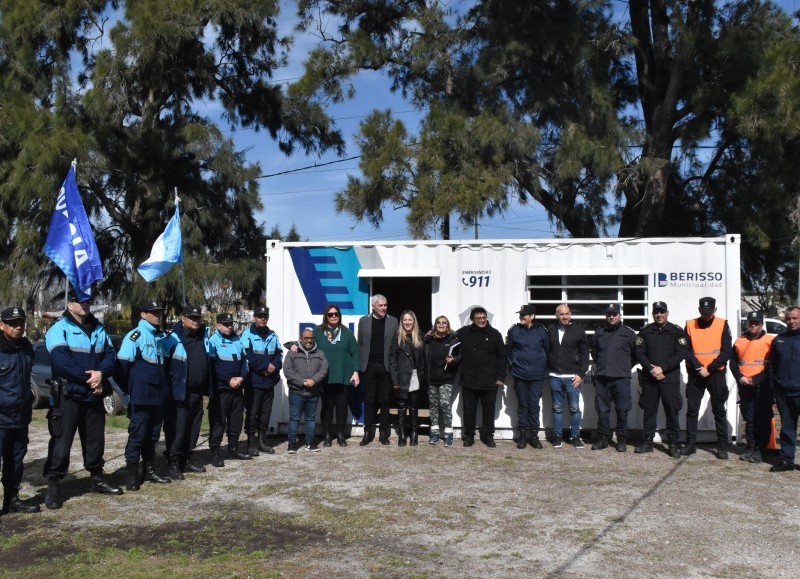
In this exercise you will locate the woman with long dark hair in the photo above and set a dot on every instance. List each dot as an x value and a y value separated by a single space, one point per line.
339 345
405 368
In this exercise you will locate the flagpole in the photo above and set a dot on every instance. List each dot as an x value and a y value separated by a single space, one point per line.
183 281
66 278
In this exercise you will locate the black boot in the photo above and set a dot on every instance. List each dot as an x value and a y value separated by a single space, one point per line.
174 471
234 453
674 449
262 443
150 474
522 441
722 451
252 445
487 438
689 449
533 438
189 466
341 439
748 450
216 457
401 423
469 440
327 440
384 436
622 445
52 500
369 436
98 485
414 419
602 442
132 476
13 504
645 446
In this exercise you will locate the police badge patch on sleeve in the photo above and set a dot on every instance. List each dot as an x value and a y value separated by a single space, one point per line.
639 340
683 341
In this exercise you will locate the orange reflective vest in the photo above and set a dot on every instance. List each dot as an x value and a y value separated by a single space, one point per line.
706 342
751 355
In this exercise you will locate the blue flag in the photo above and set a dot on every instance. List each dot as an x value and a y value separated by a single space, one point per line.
70 242
166 252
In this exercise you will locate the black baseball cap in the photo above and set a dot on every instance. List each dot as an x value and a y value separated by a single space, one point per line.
12 313
662 306
707 305
756 317
191 311
612 308
527 310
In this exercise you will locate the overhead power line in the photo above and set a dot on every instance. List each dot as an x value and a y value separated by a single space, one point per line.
314 166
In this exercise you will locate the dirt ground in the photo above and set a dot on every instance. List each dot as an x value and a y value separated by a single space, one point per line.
417 512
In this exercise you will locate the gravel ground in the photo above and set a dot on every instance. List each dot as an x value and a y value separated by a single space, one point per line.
434 512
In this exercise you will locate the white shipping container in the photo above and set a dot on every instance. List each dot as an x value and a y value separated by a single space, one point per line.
450 277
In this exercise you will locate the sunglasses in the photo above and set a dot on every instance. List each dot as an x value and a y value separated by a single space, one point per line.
332 315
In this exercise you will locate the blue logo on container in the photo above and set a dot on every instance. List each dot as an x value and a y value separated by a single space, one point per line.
660 280
329 275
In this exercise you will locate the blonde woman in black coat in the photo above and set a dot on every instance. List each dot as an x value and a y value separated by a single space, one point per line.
405 368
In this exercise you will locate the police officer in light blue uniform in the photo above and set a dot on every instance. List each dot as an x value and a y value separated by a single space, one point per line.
228 369
264 360
83 359
151 368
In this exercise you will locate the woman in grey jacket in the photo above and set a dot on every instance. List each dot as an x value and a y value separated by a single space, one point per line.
405 369
305 370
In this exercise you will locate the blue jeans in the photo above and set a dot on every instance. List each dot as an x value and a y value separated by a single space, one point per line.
529 398
560 387
302 406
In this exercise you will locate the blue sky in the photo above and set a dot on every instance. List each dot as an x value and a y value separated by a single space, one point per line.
306 198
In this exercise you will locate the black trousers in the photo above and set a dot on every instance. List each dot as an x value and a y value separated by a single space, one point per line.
13 448
334 396
226 412
618 391
669 393
258 403
487 399
144 430
377 384
88 419
182 425
695 388
756 402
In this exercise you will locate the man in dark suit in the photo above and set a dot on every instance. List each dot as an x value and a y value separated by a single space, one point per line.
375 333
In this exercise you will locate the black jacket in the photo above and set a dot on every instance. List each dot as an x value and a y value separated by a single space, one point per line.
663 346
483 357
434 352
16 398
614 351
571 356
403 360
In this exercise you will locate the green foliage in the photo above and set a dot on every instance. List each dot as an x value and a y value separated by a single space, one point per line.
132 120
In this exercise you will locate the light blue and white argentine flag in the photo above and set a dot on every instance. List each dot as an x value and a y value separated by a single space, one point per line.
70 242
167 251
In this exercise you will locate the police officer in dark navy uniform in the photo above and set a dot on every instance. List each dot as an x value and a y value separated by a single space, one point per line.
151 366
182 428
83 359
660 349
613 353
16 402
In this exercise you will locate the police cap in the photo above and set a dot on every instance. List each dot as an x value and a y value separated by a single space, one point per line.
707 305
12 313
151 306
527 310
660 306
757 317
191 311
261 311
612 309
224 318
